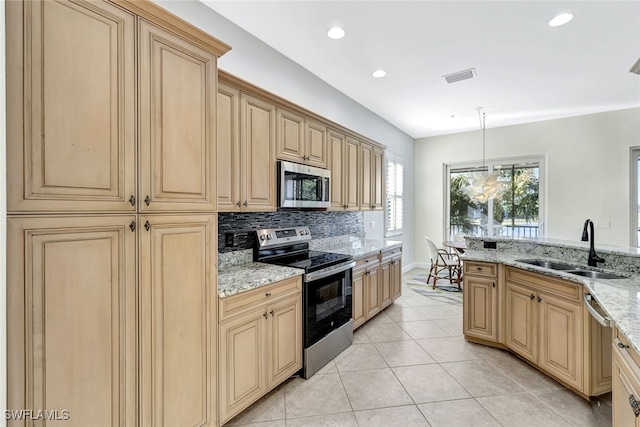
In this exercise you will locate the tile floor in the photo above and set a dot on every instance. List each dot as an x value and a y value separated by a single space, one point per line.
410 366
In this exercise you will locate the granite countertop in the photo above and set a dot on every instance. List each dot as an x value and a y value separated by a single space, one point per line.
619 298
234 279
237 273
357 247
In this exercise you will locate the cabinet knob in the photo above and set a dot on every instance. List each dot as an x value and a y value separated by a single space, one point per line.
268 294
622 345
539 299
132 200
238 204
271 312
264 314
147 226
494 284
147 200
245 204
132 226
532 296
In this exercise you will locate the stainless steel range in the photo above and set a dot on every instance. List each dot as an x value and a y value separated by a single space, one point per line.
326 291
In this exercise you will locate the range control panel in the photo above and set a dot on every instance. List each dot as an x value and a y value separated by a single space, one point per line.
278 236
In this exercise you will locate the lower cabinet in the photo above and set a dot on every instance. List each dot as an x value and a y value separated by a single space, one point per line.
365 289
390 276
87 336
260 343
548 325
626 383
480 319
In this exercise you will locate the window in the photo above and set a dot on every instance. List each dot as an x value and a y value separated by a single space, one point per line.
514 212
635 197
393 206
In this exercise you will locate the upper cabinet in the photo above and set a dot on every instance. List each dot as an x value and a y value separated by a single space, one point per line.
372 177
345 171
177 116
300 139
70 129
109 111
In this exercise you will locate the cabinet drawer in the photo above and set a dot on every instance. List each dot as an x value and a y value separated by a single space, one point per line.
480 268
366 263
391 254
623 345
561 288
263 295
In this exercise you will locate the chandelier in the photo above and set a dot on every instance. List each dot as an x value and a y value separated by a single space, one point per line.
483 186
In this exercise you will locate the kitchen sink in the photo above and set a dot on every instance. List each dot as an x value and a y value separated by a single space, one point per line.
571 269
548 264
594 274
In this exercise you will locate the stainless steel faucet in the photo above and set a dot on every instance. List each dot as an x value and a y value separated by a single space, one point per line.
594 259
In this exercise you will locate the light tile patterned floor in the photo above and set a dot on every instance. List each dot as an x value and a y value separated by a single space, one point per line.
410 366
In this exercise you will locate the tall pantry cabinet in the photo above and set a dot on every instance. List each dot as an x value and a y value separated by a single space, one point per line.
111 290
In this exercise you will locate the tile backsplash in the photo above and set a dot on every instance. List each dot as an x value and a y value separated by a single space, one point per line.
234 228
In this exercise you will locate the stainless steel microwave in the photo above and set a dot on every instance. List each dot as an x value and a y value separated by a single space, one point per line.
302 186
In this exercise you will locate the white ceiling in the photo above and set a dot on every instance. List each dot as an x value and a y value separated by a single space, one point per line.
526 70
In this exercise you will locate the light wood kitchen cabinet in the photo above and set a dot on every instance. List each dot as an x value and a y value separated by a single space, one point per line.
371 177
390 280
177 118
344 166
246 172
480 301
301 140
257 153
626 383
545 325
71 107
365 277
377 179
178 320
71 311
260 343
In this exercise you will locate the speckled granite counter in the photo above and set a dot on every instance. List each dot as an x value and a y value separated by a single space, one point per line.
619 298
236 278
357 247
237 273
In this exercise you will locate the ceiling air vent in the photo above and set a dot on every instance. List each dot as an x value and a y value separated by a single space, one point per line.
636 67
460 75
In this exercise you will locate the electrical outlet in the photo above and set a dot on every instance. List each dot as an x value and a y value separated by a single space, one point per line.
228 240
373 225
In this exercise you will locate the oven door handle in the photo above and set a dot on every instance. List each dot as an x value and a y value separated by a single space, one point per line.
603 320
330 272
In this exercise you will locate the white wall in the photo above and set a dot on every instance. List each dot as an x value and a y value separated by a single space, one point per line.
256 62
587 171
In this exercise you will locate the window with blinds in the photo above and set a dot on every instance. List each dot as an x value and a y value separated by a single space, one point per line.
393 206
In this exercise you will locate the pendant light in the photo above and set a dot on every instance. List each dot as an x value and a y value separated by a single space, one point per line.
483 186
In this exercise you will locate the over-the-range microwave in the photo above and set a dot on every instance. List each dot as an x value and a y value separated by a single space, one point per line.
302 186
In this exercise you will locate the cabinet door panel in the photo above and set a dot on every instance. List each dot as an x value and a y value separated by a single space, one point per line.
228 149
257 134
177 104
480 300
71 82
352 174
179 303
285 340
561 352
378 182
72 317
316 144
366 201
625 384
336 164
373 303
357 309
385 285
290 136
242 362
521 316
396 278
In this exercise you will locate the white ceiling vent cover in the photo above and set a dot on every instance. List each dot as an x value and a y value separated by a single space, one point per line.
460 75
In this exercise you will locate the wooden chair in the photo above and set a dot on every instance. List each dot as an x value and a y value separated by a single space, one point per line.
443 264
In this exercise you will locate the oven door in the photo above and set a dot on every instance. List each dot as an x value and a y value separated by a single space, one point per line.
327 303
303 186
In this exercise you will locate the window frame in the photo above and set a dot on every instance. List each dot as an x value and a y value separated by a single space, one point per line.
396 231
489 165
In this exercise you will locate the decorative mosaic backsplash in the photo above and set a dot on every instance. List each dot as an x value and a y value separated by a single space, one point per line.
234 228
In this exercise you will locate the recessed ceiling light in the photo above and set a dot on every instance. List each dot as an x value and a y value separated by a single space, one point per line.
561 19
335 33
379 73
